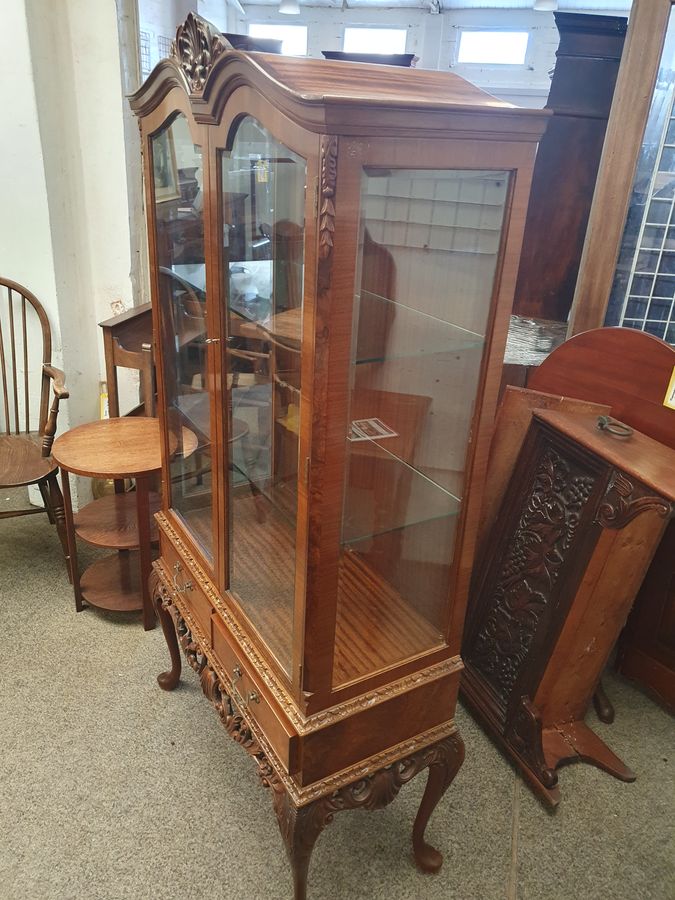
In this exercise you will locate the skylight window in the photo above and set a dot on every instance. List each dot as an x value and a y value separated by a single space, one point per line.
493 48
293 37
374 40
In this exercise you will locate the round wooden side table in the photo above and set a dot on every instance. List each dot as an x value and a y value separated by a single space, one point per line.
126 447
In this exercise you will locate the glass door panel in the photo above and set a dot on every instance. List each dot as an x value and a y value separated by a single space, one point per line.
263 202
429 243
177 175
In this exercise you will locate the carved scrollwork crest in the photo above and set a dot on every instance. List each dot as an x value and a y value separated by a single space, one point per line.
623 501
329 150
197 46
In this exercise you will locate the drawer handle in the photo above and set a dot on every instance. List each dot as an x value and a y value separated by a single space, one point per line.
253 696
180 588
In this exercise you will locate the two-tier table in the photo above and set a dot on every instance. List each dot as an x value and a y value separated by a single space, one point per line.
114 449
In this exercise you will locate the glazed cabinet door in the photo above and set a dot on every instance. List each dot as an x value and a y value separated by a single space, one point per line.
263 207
427 244
177 176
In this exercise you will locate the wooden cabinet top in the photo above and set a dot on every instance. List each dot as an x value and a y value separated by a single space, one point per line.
637 455
323 95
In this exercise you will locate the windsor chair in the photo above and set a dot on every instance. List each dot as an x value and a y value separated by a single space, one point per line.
27 422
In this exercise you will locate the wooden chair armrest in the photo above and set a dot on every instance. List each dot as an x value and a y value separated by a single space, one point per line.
60 393
59 380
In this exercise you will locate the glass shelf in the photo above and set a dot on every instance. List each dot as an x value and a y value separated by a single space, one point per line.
398 495
423 334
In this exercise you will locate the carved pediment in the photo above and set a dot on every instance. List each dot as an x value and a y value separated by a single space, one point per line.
197 46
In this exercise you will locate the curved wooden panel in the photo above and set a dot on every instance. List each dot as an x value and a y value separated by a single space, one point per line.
626 369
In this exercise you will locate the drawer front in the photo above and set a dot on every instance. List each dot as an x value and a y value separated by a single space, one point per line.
247 693
189 593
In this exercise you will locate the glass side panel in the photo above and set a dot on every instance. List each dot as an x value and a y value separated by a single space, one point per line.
643 293
177 171
263 198
429 243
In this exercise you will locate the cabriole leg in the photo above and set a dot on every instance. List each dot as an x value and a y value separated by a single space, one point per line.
162 601
300 827
448 756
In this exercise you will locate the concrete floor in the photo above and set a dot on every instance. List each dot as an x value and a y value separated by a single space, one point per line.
113 789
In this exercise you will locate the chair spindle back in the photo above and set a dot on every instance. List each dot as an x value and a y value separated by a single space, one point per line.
25 347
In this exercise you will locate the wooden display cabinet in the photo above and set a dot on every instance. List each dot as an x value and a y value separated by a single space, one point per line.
336 347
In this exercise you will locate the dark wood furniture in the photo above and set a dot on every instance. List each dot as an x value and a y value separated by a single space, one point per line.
630 371
578 526
587 64
127 342
27 421
316 577
117 449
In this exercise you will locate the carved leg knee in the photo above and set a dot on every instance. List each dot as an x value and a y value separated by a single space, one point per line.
445 759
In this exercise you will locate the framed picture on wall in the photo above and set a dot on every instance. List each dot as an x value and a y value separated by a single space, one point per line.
165 169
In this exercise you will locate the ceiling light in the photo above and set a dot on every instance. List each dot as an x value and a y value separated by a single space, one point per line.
289 7
545 5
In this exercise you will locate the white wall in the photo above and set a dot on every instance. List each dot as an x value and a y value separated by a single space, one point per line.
77 83
434 38
64 232
25 232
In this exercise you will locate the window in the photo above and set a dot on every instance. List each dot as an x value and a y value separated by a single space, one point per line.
500 48
375 40
164 46
293 37
643 293
144 37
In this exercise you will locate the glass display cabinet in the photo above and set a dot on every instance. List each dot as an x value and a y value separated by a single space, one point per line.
334 248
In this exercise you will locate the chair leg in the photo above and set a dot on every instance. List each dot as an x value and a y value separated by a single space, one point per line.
44 491
55 510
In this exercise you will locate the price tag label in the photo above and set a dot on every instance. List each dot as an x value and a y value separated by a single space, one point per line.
669 399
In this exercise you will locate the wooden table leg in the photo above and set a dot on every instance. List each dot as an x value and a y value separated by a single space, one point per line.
71 539
143 514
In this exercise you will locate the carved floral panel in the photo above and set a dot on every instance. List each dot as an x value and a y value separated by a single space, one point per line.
525 585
